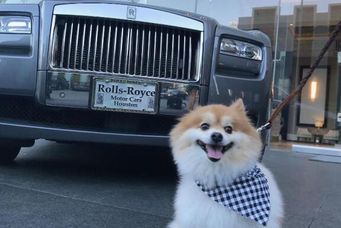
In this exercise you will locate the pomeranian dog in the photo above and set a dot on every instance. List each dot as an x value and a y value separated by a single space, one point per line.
222 185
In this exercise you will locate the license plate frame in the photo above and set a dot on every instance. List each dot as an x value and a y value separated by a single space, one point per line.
125 96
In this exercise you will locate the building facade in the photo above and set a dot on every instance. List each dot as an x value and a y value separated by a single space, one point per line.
298 30
297 38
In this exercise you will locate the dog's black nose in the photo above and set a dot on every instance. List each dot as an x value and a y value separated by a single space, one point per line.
217 137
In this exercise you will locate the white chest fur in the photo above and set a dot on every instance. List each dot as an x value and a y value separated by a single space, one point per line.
194 209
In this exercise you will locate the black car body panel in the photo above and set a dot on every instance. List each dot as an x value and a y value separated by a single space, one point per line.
47 77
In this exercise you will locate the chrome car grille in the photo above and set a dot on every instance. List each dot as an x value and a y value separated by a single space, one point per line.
122 47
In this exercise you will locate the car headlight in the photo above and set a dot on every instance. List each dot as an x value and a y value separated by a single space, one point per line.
15 24
240 49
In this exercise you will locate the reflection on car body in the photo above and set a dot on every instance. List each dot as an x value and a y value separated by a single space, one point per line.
182 60
176 99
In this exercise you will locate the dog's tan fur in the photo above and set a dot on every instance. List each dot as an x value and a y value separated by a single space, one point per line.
194 164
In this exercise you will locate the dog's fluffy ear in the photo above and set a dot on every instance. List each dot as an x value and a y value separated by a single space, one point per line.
239 105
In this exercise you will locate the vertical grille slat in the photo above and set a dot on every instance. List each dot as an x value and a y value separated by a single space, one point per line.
178 57
172 57
189 58
69 46
136 50
160 55
63 45
154 54
101 50
95 47
114 46
121 51
82 47
183 58
142 51
89 48
128 51
148 52
108 49
114 53
166 57
76 50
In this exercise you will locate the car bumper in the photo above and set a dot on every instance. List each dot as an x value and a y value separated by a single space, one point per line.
30 131
65 114
24 118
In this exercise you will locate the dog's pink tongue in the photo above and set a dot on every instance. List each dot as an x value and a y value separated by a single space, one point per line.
214 152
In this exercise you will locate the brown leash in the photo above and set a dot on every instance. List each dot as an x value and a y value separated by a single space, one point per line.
302 83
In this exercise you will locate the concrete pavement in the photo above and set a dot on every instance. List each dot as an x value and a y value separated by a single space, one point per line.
63 185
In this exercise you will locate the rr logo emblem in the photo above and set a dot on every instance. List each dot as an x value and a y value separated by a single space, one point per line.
131 13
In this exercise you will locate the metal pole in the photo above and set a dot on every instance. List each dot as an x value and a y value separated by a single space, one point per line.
276 41
196 6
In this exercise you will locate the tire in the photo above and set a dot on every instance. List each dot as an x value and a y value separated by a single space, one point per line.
8 152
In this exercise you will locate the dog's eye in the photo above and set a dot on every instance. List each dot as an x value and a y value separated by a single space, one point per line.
228 129
204 126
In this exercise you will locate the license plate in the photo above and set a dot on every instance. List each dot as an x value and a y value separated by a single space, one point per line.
124 95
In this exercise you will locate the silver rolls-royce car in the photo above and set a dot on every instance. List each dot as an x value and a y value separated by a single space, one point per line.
118 72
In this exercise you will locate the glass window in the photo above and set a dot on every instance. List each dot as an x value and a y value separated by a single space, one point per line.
298 30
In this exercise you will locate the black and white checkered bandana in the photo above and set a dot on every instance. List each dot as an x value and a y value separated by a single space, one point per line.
248 195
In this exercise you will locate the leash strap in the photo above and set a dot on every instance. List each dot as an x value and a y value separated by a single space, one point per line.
302 83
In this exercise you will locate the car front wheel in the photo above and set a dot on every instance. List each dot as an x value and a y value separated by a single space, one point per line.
8 152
